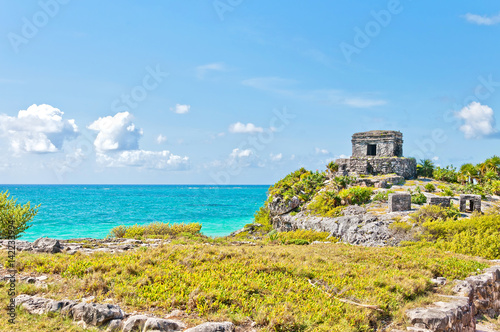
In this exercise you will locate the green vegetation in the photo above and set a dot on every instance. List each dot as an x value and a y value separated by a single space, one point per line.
301 183
434 212
332 167
418 198
327 204
271 285
15 218
425 168
382 196
429 187
300 237
263 217
156 230
356 195
475 236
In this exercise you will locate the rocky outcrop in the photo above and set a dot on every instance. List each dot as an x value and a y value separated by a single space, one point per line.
279 206
111 317
355 227
213 327
45 244
476 295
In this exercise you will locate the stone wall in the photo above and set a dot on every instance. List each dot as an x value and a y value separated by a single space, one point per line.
399 202
476 295
442 201
405 167
388 143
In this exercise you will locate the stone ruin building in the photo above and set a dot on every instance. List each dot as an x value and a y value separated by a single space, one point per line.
378 152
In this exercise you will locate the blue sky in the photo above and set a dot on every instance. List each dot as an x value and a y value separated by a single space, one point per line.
238 91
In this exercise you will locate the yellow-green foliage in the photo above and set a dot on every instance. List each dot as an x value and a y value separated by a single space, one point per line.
383 196
476 236
327 204
263 217
302 183
434 212
356 195
303 236
400 226
269 284
15 218
155 230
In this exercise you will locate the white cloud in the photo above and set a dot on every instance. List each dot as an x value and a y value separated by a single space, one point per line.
276 157
39 129
204 70
181 109
117 145
479 120
238 153
161 139
321 151
241 128
163 160
435 158
116 133
482 20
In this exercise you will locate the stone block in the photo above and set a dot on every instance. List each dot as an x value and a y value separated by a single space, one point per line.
399 202
442 201
470 203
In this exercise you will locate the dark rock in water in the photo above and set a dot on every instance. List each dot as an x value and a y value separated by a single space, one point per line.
213 327
44 244
278 206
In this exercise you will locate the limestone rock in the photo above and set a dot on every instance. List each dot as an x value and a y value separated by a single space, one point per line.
47 245
163 325
96 314
279 206
213 327
115 325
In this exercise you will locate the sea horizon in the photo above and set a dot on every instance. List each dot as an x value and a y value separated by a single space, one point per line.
92 210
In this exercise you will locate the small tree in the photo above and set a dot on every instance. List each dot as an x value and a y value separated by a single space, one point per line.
15 218
425 168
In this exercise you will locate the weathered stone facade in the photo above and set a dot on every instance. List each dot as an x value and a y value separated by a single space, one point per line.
377 152
475 296
404 167
442 201
399 202
377 143
474 203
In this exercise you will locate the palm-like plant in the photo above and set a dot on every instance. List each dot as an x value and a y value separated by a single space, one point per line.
469 172
425 168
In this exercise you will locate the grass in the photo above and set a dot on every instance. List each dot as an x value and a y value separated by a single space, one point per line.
269 284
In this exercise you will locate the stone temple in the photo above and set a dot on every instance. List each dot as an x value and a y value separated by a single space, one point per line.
378 152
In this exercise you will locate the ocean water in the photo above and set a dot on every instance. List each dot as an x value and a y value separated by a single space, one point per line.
75 211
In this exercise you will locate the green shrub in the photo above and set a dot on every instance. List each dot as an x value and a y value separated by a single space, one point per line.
332 167
447 192
434 212
400 226
342 182
475 236
356 195
448 174
15 218
418 198
263 217
382 196
327 204
155 230
429 187
302 183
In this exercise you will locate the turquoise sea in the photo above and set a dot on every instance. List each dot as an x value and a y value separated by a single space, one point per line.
76 211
